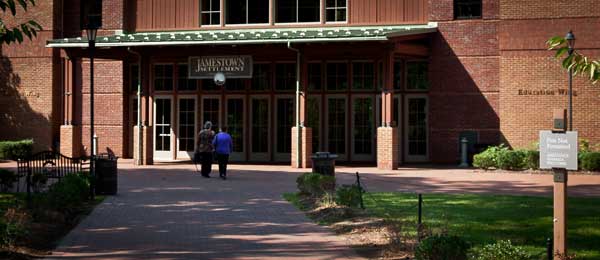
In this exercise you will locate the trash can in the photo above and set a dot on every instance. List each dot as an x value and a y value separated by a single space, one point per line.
324 163
106 174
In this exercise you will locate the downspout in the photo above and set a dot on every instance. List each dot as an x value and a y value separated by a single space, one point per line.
139 105
298 125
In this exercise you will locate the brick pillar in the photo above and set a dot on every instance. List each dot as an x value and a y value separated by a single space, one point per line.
387 148
70 140
306 147
147 149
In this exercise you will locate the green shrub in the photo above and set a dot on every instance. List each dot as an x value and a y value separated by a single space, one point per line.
511 159
488 158
590 161
531 160
442 247
7 179
315 184
13 150
348 195
502 250
69 193
13 226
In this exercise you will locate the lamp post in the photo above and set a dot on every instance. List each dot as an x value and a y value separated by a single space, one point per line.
91 34
571 43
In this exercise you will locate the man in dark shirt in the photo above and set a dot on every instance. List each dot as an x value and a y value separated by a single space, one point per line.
223 146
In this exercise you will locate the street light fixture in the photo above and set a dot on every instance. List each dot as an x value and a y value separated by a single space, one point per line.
570 37
91 34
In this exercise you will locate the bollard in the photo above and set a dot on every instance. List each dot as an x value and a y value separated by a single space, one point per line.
420 208
463 147
95 145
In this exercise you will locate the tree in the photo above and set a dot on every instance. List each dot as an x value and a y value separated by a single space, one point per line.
577 62
30 28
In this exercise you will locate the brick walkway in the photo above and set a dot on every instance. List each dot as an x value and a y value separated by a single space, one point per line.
167 211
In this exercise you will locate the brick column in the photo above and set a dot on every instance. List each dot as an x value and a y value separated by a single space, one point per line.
387 148
70 140
147 149
306 147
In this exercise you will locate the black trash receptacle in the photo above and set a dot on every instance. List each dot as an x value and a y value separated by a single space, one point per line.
106 174
324 163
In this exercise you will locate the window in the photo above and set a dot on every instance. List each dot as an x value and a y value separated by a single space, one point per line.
183 82
313 108
235 123
314 76
416 75
297 11
211 12
467 9
235 84
337 76
247 11
163 77
336 10
336 125
187 124
397 75
285 76
262 77
133 78
363 75
285 121
209 85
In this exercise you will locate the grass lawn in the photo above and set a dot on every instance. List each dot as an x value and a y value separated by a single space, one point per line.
481 219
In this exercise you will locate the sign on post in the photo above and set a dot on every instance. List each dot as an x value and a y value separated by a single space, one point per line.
558 150
205 67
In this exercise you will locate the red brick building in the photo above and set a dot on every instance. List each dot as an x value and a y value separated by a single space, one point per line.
381 81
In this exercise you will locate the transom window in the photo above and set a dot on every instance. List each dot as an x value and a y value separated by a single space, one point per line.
314 76
337 76
163 77
297 11
336 10
247 11
363 75
467 9
416 75
262 77
210 12
183 82
285 76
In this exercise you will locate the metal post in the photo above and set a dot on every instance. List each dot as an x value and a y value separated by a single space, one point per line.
92 173
419 221
362 205
549 249
298 125
570 97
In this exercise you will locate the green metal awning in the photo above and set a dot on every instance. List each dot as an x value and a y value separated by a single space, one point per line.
249 36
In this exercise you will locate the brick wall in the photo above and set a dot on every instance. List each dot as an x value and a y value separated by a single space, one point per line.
108 105
526 65
28 73
464 89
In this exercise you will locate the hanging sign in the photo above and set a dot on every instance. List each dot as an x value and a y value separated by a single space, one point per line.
205 67
558 150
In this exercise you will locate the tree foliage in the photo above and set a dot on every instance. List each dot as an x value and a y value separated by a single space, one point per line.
577 62
9 34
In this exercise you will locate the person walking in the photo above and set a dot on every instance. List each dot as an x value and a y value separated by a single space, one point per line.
223 144
205 148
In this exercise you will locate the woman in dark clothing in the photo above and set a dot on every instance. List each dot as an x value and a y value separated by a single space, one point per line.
205 148
223 144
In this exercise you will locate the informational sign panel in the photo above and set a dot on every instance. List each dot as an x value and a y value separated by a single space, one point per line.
205 67
558 150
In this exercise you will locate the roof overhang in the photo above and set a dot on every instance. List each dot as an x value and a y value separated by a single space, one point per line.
250 36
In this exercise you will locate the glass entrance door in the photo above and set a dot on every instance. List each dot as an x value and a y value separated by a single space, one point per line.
186 129
416 134
285 119
363 128
211 111
163 150
336 127
259 129
235 122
